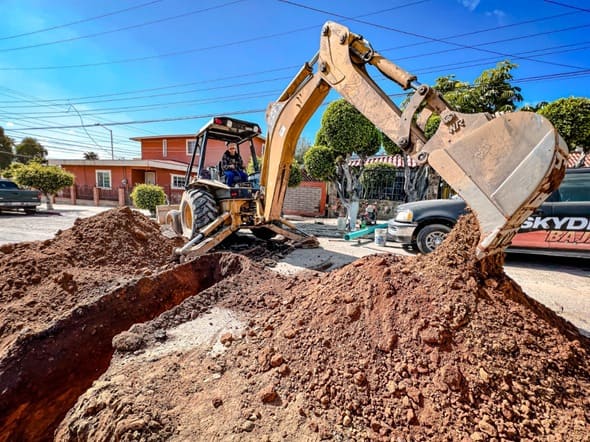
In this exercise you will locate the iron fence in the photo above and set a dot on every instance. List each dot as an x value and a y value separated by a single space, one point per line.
383 185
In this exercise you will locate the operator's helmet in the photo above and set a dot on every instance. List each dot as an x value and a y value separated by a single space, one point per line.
370 208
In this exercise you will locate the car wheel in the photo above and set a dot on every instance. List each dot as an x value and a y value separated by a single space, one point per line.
430 237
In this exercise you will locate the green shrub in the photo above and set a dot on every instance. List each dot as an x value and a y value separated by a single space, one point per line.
148 196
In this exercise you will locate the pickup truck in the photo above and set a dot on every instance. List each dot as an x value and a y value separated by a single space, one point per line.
13 197
560 226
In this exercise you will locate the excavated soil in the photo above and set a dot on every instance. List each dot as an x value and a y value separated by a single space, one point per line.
437 347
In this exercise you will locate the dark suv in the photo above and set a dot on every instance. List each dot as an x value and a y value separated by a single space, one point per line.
560 226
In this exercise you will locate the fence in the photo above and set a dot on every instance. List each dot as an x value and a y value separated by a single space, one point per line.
383 185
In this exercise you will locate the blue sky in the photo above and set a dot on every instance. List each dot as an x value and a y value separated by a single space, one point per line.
166 66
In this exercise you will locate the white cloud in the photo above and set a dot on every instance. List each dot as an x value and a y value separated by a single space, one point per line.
470 4
498 13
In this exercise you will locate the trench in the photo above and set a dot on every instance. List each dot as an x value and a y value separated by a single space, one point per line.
45 373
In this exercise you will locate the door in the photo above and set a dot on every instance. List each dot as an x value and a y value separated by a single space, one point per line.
150 178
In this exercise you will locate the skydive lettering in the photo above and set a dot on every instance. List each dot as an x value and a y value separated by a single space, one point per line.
567 223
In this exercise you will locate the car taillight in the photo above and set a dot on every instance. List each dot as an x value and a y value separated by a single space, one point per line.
234 193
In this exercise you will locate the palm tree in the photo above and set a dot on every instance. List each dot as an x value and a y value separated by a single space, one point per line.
90 156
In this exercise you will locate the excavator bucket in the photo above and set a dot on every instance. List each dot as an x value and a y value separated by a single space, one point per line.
503 168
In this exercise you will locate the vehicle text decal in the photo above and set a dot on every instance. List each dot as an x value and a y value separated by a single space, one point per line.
568 223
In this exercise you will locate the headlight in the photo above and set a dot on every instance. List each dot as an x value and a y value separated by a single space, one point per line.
404 216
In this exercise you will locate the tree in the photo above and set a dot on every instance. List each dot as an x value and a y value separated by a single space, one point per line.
6 149
148 196
30 150
571 118
47 179
90 156
490 92
344 131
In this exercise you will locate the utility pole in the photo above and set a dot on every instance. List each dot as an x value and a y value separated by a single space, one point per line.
112 151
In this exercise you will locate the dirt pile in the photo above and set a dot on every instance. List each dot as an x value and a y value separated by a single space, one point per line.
56 318
43 279
438 347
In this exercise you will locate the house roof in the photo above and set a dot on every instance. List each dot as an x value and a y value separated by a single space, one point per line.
157 137
188 136
397 160
156 164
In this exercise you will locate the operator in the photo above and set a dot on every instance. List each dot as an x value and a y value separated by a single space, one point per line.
233 165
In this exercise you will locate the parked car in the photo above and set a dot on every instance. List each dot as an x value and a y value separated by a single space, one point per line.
560 226
13 197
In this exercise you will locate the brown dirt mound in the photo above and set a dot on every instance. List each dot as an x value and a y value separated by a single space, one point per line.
438 347
43 279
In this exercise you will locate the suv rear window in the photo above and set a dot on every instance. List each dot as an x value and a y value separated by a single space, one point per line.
8 185
574 187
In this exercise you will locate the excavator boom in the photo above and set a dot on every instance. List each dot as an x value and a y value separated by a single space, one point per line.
503 166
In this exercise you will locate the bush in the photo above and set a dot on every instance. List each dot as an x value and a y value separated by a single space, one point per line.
148 196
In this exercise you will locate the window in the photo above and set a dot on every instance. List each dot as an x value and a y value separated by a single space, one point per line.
164 148
190 146
177 181
575 187
103 179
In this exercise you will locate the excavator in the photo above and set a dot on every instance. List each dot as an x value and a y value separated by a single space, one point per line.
504 166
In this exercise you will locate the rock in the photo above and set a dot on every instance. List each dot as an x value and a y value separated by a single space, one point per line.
276 360
451 375
127 341
268 393
226 339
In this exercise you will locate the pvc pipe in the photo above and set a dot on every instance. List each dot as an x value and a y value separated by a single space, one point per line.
362 232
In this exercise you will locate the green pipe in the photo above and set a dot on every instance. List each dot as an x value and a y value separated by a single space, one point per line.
362 232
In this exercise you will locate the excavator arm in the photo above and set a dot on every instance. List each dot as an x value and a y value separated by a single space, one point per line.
503 166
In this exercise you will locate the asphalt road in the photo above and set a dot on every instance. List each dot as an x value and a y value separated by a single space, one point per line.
561 284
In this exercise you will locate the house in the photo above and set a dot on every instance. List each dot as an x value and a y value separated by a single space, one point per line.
164 160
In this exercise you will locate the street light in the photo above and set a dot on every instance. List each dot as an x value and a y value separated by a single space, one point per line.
112 151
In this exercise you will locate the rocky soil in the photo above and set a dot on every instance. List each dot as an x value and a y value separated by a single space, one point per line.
437 347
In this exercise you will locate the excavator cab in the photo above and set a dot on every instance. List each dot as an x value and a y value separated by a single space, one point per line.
221 131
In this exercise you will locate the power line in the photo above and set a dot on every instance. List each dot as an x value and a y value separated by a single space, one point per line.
193 50
567 6
125 28
425 37
582 72
84 20
139 108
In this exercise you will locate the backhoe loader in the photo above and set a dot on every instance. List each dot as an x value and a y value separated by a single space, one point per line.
503 166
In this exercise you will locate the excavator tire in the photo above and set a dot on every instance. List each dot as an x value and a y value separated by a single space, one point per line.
263 233
197 209
173 220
